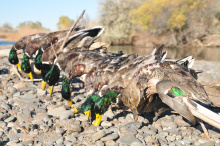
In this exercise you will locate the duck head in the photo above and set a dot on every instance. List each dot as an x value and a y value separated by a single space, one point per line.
13 58
66 90
102 105
25 66
38 59
50 74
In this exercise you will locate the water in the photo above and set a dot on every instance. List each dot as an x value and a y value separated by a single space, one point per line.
205 53
5 43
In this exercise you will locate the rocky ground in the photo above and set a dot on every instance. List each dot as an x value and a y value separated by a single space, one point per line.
29 116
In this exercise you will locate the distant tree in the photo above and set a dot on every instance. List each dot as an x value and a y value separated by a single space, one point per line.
30 24
64 23
114 16
187 18
6 27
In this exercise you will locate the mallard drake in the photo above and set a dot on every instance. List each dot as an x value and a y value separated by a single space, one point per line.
102 105
21 44
77 41
87 106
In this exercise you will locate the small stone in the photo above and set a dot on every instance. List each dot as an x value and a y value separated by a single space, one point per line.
170 138
75 128
137 144
9 119
98 135
56 112
106 124
16 136
41 92
180 122
5 106
3 124
70 138
213 134
167 123
135 125
20 84
128 139
37 122
59 130
110 137
66 115
3 97
12 90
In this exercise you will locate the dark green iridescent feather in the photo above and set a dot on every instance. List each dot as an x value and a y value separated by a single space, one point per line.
13 58
66 90
101 106
38 59
52 76
25 65
88 104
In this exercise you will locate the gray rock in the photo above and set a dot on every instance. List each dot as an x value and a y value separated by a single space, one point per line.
128 139
213 134
75 128
167 123
122 120
41 92
135 125
187 141
110 137
137 144
131 130
3 97
52 139
170 138
66 115
12 90
106 124
5 106
26 89
180 122
37 122
9 119
59 141
59 130
70 138
4 116
150 132
17 94
16 136
56 112
98 135
3 124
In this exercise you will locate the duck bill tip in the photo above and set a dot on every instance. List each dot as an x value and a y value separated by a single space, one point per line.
98 120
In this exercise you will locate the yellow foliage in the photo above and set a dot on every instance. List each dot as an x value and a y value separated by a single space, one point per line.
169 14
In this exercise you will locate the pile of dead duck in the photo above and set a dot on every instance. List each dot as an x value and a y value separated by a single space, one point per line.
142 83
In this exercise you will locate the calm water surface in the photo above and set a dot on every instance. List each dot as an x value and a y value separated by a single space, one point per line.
210 54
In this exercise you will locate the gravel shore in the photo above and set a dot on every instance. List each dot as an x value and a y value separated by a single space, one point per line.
29 116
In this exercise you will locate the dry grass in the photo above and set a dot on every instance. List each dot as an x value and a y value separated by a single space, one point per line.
21 33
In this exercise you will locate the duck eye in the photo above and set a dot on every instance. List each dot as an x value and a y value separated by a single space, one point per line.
176 91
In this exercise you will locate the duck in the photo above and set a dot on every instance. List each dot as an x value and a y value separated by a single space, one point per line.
102 105
21 44
88 106
38 45
80 41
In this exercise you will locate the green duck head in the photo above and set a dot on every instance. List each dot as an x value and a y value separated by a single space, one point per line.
13 58
38 59
102 105
66 90
50 73
25 65
87 106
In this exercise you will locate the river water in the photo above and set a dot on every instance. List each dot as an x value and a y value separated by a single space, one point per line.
209 54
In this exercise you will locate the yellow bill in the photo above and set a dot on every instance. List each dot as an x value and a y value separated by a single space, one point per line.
43 85
74 110
87 113
31 76
51 90
98 120
69 101
19 66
